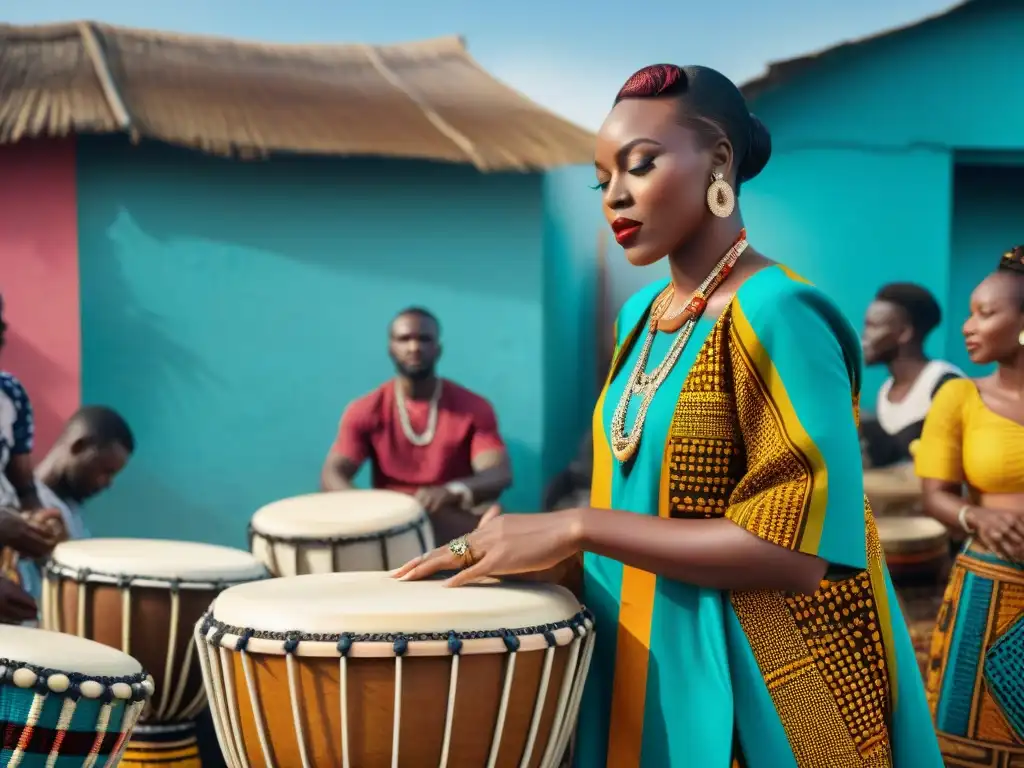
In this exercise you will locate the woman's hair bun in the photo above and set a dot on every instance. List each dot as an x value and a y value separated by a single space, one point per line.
1013 260
758 152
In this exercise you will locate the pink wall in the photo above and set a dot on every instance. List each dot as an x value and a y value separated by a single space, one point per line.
39 279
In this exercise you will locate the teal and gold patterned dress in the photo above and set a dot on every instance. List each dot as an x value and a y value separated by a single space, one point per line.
756 423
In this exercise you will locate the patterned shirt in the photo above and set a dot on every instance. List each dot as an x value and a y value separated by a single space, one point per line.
17 427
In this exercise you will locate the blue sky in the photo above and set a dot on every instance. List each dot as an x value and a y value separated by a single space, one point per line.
568 55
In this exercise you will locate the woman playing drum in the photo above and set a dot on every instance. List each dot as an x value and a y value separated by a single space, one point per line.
974 435
728 539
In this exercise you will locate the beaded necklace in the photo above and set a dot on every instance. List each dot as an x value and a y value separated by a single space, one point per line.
646 384
403 417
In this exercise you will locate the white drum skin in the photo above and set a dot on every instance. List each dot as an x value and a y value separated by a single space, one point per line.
358 530
49 680
364 671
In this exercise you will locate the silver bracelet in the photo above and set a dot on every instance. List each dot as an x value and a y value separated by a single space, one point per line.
961 517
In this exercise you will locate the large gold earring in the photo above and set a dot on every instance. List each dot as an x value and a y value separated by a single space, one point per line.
721 198
1020 338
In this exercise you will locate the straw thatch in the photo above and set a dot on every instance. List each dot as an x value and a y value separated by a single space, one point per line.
426 100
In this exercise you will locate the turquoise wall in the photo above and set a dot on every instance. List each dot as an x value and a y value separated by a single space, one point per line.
573 222
231 310
988 219
860 189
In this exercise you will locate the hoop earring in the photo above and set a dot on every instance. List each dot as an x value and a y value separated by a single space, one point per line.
721 198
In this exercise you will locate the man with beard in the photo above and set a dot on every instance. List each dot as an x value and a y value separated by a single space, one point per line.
93 448
423 435
896 325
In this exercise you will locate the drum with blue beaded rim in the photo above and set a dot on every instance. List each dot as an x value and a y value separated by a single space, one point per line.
144 597
360 670
66 701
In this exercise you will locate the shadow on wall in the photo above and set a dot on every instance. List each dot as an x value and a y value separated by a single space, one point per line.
232 310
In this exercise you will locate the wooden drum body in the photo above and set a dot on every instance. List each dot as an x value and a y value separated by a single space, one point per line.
66 701
363 671
340 531
916 548
144 597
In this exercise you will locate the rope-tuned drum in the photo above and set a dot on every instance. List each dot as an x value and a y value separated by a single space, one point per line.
363 671
916 548
340 531
66 701
144 597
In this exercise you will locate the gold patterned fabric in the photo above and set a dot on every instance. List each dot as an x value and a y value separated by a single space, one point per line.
762 431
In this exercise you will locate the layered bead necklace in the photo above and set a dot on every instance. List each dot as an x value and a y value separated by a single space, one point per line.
645 384
427 437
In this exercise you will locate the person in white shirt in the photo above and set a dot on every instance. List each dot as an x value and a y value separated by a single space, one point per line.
93 448
896 325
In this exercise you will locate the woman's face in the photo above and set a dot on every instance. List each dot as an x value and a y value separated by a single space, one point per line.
992 332
653 174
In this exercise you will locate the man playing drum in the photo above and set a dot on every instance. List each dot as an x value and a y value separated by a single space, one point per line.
93 448
424 435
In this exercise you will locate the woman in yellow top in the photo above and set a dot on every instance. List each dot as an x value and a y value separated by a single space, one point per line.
974 437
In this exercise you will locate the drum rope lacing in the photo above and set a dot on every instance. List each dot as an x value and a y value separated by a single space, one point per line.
218 673
132 691
168 707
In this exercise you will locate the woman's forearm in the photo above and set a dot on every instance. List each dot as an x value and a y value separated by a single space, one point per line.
707 553
945 506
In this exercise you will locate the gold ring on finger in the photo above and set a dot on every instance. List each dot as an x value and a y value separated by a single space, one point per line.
461 549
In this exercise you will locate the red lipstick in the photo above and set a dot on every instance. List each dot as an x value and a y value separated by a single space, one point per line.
625 230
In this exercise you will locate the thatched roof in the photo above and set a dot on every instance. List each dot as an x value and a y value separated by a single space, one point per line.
427 100
780 72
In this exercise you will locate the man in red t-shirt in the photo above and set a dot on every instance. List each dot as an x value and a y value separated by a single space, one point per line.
423 435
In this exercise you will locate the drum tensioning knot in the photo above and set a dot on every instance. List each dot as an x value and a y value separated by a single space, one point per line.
175 586
344 644
218 636
401 645
124 581
242 643
511 641
550 639
82 575
292 643
454 644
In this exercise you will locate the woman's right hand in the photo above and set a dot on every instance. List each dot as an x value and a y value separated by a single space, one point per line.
1001 530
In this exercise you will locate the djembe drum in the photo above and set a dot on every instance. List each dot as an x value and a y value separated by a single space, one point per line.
916 548
144 597
66 701
340 531
365 671
893 491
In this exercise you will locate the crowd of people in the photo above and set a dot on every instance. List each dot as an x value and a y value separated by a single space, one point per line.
716 518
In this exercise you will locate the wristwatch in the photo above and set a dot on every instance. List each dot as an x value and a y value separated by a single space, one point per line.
462 491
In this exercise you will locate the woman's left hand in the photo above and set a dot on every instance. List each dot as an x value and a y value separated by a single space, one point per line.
503 545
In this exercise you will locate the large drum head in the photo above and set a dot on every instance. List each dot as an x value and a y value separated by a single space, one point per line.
57 651
337 515
373 603
903 533
157 560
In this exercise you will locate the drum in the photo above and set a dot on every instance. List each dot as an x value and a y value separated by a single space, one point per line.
364 671
893 491
66 701
340 531
916 548
144 597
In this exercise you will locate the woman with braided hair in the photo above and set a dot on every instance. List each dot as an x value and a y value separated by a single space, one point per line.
973 440
744 615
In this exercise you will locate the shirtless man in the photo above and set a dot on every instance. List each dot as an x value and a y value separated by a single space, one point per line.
423 435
